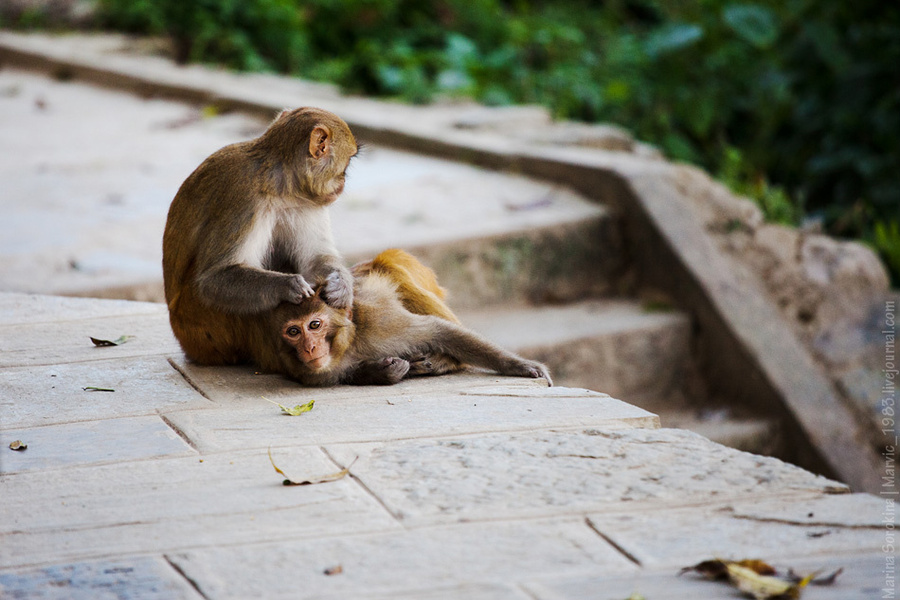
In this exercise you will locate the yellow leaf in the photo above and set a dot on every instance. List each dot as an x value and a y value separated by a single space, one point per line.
209 111
763 587
298 409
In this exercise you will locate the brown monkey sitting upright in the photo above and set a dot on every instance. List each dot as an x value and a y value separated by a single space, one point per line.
376 341
249 229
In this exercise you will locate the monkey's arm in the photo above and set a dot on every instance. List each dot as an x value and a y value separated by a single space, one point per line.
240 289
234 260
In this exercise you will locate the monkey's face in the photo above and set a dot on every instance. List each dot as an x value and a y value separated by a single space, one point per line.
310 338
330 174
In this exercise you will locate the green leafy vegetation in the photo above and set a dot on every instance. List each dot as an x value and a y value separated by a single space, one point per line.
795 103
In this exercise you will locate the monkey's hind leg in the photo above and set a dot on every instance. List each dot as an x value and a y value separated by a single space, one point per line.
434 364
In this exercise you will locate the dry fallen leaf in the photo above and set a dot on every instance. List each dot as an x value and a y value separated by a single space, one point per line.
764 587
18 446
335 570
298 409
756 578
717 569
117 342
332 477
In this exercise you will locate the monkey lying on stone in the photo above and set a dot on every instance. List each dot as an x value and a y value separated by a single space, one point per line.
398 326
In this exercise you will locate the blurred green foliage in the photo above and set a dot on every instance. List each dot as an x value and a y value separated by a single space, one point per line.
794 102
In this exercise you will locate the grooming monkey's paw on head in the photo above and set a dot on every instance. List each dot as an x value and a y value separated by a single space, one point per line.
338 290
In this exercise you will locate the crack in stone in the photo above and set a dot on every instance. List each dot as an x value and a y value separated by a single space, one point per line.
191 581
805 523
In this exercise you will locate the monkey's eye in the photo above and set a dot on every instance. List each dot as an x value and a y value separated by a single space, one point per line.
293 331
315 324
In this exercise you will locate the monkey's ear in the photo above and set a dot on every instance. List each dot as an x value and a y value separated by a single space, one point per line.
282 114
319 142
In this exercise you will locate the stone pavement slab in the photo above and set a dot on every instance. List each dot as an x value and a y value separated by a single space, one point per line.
242 386
842 510
399 564
48 394
157 506
542 473
360 417
141 578
70 341
657 539
72 444
22 309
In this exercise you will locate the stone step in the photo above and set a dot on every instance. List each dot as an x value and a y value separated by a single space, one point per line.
491 236
560 262
612 346
620 348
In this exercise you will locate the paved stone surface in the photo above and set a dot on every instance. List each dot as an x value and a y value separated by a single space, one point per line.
54 342
415 411
470 485
23 309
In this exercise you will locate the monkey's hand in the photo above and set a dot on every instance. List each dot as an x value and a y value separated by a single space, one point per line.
338 290
387 371
298 289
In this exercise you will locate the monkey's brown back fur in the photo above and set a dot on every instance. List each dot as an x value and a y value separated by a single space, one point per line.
417 285
207 335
